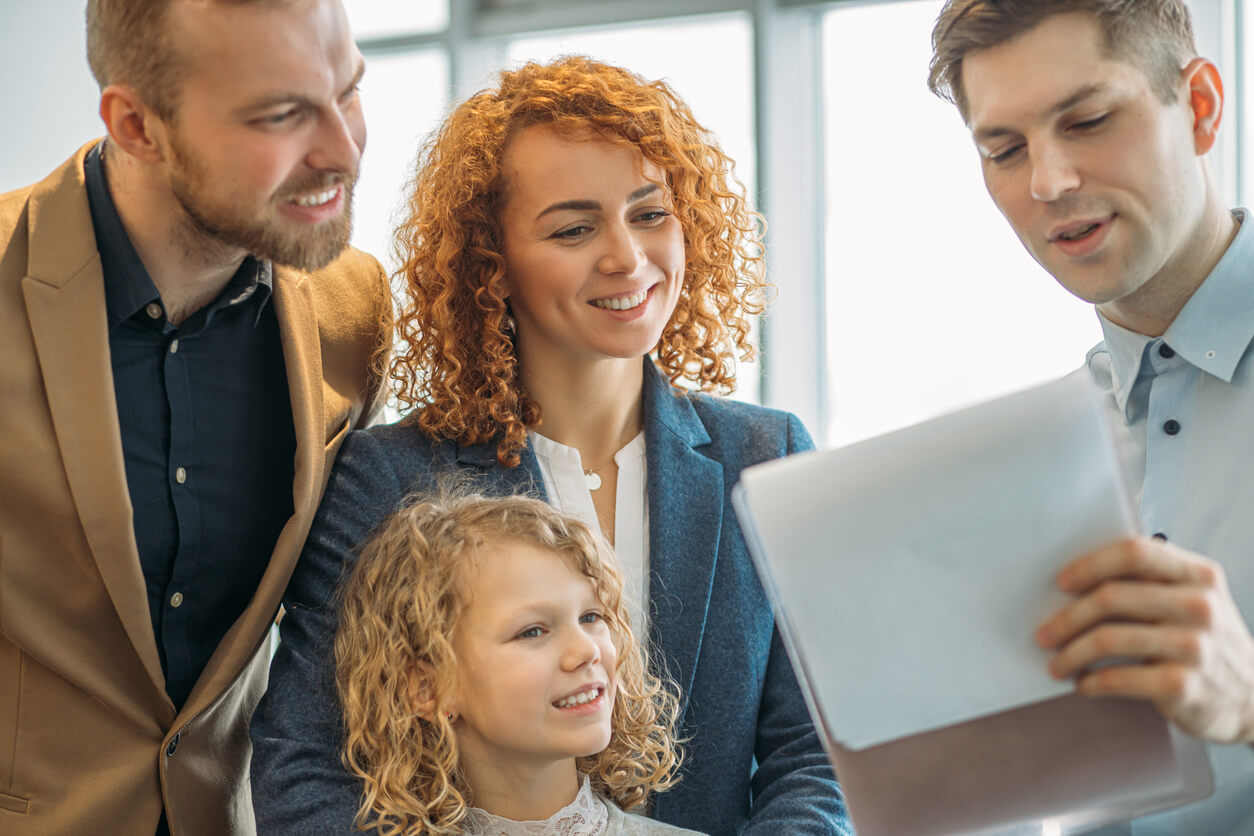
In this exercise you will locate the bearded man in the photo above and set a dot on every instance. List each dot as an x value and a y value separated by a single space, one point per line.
185 339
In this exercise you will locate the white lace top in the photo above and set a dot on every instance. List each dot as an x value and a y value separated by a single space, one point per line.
587 815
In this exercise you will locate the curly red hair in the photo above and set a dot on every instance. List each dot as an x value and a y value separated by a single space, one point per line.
456 364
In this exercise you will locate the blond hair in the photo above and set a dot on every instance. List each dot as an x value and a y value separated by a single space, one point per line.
398 612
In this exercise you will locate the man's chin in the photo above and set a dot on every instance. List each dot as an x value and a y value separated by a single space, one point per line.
306 258
1095 291
305 250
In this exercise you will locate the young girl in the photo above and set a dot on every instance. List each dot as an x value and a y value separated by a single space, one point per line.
490 679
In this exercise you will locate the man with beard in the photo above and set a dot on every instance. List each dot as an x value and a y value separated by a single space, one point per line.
185 339
1093 120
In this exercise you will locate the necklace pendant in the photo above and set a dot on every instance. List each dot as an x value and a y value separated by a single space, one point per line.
593 480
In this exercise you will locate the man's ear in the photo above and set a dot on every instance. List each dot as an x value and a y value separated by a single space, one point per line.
132 124
1205 90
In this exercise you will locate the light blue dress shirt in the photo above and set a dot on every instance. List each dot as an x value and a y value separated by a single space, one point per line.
1182 408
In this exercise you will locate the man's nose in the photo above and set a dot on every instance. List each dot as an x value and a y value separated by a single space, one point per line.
339 142
1053 173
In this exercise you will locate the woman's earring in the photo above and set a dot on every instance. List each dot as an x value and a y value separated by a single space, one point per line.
511 327
448 715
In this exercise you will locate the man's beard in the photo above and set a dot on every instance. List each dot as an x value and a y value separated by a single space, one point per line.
262 234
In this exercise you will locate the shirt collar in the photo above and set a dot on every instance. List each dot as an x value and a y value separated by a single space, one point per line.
1215 327
128 286
1212 330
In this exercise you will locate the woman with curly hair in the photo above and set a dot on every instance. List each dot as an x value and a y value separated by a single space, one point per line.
576 245
485 661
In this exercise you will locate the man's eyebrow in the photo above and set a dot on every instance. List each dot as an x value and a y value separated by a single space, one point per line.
297 99
595 206
1077 96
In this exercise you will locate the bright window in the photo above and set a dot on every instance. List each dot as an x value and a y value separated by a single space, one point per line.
381 18
403 95
932 303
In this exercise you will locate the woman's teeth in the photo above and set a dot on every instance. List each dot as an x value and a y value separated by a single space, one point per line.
317 199
622 303
578 699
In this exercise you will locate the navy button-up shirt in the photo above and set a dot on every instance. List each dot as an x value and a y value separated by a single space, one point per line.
207 438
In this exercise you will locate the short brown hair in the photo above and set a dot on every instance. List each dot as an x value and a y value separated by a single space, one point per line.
128 42
456 364
399 610
1154 35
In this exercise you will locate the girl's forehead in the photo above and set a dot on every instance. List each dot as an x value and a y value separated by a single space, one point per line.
501 565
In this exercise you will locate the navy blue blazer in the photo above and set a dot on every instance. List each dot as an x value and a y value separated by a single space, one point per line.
754 762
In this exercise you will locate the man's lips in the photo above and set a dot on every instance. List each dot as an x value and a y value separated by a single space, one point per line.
1077 230
316 206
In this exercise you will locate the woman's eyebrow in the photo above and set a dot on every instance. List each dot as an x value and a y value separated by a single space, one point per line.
595 206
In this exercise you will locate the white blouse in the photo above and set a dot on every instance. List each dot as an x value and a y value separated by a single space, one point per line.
567 489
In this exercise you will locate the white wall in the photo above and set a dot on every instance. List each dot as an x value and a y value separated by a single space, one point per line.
48 99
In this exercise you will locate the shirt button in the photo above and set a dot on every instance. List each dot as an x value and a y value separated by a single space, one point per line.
180 475
154 310
1165 350
174 744
174 346
1171 426
176 600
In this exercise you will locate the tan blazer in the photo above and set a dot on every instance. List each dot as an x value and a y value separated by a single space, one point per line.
89 741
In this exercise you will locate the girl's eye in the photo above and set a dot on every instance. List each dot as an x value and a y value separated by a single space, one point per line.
530 633
591 617
652 216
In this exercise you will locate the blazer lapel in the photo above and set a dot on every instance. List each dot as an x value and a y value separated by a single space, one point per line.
298 331
302 356
65 302
685 523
